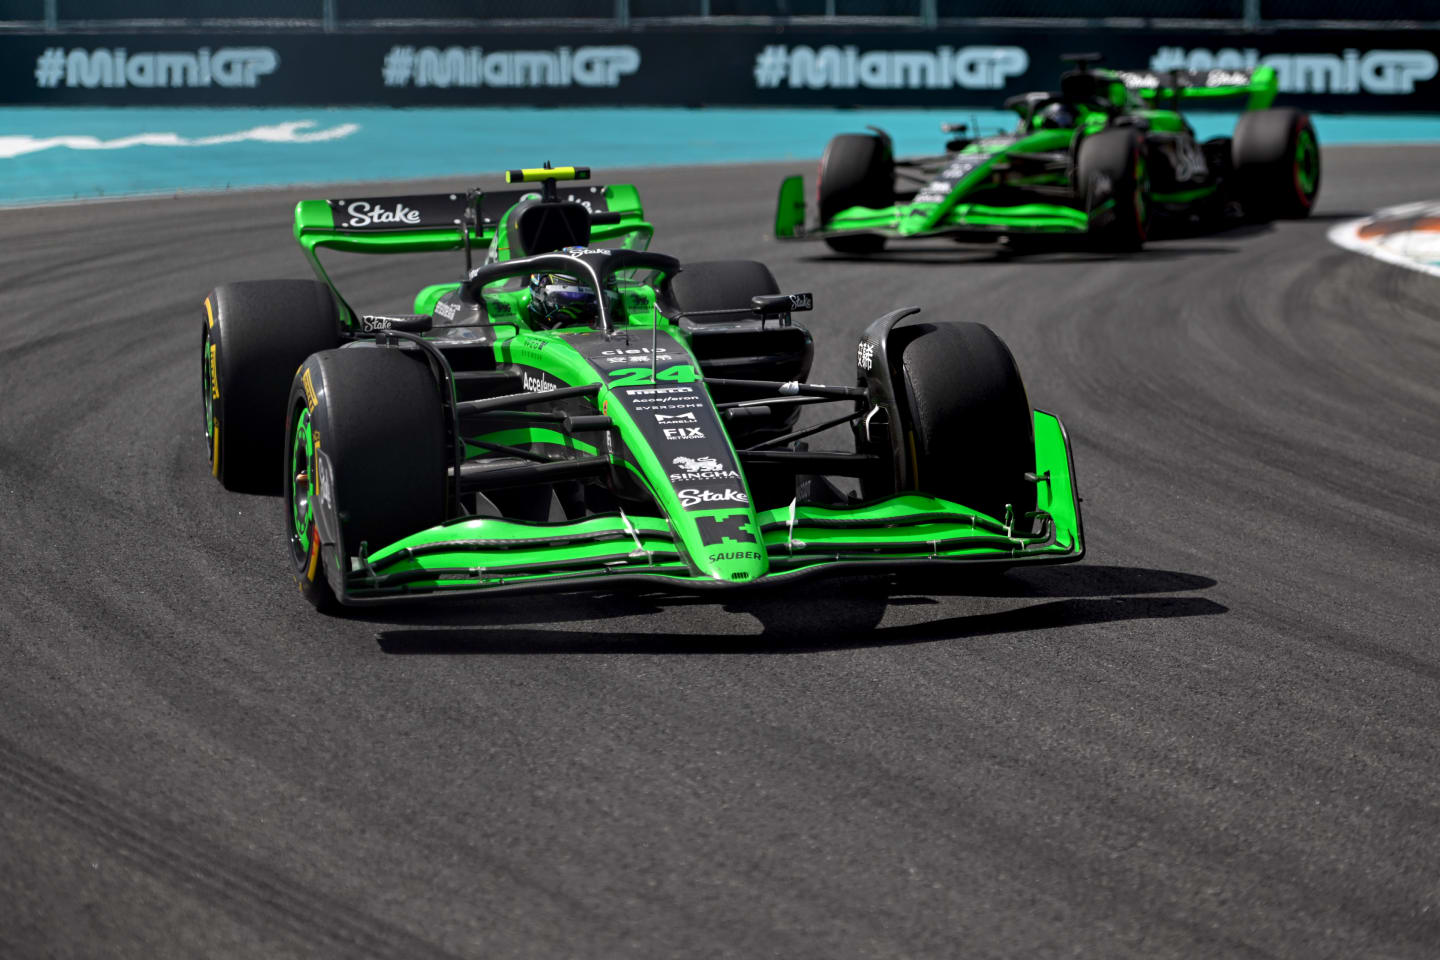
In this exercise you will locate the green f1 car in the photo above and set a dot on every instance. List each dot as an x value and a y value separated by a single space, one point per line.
579 413
1097 159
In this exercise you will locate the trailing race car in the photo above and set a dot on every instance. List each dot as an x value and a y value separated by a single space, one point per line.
1100 157
579 412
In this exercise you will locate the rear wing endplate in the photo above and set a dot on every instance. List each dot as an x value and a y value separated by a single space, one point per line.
1260 84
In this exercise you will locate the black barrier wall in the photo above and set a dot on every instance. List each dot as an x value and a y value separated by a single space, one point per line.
1369 71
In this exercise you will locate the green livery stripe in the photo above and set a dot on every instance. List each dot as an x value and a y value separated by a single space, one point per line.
1183 196
528 437
1030 216
911 221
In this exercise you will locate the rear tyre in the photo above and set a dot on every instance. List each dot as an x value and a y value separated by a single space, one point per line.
252 337
974 434
1276 157
720 285
1110 166
856 170
369 451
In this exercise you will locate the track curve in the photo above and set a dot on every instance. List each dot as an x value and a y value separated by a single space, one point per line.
1216 737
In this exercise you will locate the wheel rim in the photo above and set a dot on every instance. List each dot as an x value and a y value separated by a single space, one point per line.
300 488
210 392
1142 215
1307 165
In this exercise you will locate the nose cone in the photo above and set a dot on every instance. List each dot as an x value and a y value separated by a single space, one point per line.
730 547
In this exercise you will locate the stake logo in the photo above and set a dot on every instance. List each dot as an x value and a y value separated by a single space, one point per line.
363 213
692 497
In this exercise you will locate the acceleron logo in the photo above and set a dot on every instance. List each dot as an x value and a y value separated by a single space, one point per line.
117 67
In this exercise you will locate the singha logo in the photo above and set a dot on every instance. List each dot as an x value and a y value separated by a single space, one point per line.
697 465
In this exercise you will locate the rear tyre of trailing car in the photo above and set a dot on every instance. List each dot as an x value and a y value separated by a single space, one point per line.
253 335
1276 158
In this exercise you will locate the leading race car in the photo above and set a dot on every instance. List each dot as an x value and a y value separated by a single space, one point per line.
1097 159
581 413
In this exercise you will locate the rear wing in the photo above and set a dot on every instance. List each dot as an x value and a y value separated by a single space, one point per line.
1260 84
423 223
416 223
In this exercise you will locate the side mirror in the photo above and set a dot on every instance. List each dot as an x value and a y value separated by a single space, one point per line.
407 322
781 304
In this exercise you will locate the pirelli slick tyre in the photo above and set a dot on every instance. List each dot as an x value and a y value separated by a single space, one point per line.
1276 158
856 170
365 459
252 337
1110 168
973 430
720 285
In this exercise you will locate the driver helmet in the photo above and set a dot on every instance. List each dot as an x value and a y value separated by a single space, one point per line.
558 300
1056 116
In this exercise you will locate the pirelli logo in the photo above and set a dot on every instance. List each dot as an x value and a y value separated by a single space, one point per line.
310 399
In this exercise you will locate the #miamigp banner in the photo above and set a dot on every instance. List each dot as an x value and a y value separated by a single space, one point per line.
1361 71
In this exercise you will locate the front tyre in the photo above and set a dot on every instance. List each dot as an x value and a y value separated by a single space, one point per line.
365 460
973 430
252 337
1110 168
856 170
1276 157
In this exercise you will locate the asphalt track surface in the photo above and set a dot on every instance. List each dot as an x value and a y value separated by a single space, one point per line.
1216 737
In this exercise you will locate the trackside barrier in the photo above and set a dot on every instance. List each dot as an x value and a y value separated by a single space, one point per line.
1335 71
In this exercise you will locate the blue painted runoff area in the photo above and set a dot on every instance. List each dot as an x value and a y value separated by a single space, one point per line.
52 154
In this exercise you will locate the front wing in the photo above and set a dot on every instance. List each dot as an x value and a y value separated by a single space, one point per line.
905 221
486 555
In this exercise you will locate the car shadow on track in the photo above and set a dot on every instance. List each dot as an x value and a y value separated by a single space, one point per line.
836 616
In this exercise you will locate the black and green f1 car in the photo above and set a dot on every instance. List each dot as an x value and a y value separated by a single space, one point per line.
580 413
1099 158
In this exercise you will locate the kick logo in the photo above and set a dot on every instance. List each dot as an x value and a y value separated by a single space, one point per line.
714 531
